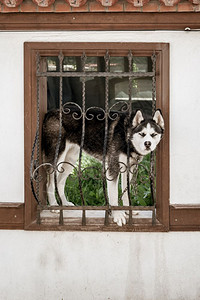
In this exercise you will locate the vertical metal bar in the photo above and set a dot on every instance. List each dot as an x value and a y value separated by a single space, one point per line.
152 184
61 219
107 63
61 57
38 139
38 219
38 121
152 157
32 167
130 63
153 58
83 61
35 163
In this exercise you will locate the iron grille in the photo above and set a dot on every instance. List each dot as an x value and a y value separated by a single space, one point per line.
108 112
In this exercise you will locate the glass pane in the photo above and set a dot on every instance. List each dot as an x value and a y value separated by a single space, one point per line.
91 64
142 64
53 64
141 89
141 92
53 84
118 64
74 63
70 64
95 86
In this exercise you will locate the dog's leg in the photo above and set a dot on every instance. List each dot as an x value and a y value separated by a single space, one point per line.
124 185
123 171
112 188
125 198
66 164
118 216
51 189
51 183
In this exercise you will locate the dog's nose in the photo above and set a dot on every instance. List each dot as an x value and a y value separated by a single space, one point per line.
147 144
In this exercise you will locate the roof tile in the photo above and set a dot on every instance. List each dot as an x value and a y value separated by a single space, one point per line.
170 2
138 3
197 2
43 3
11 3
99 5
76 3
107 3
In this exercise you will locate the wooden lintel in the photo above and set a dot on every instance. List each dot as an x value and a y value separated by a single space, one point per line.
100 21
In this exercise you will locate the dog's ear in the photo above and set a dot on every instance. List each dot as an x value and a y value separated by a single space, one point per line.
158 118
138 118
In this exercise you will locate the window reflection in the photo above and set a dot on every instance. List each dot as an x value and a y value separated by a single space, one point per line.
141 88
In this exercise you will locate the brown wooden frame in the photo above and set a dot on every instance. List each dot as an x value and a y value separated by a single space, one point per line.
162 88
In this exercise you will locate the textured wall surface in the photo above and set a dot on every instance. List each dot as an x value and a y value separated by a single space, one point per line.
99 266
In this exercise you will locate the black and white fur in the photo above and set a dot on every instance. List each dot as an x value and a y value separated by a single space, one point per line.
143 134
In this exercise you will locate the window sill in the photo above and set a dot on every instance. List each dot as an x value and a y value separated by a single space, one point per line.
94 222
182 218
185 217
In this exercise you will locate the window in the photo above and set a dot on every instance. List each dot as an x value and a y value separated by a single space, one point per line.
107 76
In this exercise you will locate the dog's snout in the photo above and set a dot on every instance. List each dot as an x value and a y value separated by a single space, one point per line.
147 144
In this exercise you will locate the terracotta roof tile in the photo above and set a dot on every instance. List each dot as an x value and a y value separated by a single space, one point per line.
99 5
138 3
195 1
76 3
170 2
43 3
11 3
107 3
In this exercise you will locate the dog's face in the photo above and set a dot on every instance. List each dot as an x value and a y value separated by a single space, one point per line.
147 133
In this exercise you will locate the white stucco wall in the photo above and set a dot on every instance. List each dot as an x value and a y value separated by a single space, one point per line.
99 266
115 266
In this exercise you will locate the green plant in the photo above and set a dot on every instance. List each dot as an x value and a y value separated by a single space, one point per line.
92 184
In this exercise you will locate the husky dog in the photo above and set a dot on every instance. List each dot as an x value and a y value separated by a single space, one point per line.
142 134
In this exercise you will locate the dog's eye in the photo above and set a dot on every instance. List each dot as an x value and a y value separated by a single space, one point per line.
142 134
153 135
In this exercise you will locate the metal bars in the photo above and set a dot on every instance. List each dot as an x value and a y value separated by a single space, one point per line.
107 60
34 173
83 59
130 61
152 159
97 74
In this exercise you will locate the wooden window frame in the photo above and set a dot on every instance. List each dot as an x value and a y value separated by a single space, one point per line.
181 217
162 101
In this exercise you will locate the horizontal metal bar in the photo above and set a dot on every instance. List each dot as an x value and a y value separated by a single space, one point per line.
96 74
142 208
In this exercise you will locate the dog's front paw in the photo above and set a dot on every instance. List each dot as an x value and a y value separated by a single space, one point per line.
119 217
